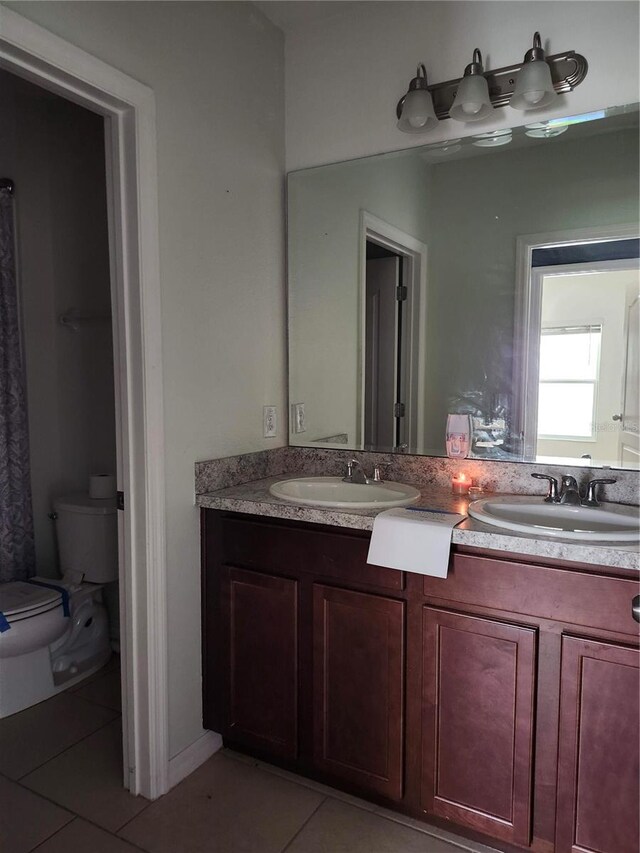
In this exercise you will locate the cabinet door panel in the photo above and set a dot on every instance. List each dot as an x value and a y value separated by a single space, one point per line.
359 688
478 714
598 787
262 612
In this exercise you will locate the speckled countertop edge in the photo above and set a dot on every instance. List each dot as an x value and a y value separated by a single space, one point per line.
254 498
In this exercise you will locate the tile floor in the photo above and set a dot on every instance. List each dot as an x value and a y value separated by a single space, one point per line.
61 792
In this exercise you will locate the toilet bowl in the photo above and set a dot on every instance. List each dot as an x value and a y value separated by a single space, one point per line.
54 633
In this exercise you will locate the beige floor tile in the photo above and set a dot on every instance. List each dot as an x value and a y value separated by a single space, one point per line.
464 843
83 837
104 690
226 806
325 790
25 818
39 733
87 779
340 828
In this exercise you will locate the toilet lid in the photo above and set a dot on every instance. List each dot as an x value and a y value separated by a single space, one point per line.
19 598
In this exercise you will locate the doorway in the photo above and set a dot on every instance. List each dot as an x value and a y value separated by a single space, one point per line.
392 339
385 367
128 109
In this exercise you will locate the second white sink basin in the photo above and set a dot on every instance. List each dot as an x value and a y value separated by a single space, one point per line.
527 514
334 492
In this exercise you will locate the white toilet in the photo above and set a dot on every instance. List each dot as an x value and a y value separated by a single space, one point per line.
54 633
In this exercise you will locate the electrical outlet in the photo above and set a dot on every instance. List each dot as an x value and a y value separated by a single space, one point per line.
298 420
269 421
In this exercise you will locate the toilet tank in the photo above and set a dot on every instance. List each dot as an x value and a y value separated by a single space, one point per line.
88 536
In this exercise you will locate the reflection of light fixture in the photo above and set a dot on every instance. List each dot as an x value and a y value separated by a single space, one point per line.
472 101
493 139
545 130
528 85
534 87
415 110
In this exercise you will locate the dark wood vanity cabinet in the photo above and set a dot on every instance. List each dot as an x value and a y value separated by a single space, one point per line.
259 620
359 688
478 708
501 701
598 788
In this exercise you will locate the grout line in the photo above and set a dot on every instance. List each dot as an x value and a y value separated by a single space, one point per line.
66 749
75 815
97 826
296 834
53 834
351 800
132 818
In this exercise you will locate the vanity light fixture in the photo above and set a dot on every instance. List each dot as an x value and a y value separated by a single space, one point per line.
532 84
415 110
472 102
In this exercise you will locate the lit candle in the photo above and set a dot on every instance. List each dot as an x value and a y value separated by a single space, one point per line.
460 484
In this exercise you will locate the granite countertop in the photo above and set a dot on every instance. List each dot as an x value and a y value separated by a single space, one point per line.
254 498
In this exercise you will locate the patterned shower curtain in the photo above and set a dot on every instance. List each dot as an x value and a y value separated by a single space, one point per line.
17 550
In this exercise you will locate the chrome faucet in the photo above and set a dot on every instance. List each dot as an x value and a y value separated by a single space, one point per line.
355 474
568 492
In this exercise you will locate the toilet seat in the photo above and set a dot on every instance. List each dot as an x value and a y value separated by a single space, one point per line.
20 600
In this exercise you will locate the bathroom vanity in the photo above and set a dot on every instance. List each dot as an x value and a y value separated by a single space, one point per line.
501 701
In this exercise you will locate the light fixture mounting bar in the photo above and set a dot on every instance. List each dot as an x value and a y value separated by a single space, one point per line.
568 70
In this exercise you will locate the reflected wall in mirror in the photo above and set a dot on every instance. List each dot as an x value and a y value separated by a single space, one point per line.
495 276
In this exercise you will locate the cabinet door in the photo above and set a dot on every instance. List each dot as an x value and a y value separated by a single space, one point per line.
477 722
598 789
359 688
261 615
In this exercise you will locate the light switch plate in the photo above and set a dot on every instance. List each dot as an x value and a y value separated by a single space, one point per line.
269 421
298 422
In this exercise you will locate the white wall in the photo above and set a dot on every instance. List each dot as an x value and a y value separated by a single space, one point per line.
217 72
54 152
344 75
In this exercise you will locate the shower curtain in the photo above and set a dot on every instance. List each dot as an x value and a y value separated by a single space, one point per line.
17 549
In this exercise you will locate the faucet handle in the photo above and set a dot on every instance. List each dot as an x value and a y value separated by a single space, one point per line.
377 477
591 496
349 475
552 495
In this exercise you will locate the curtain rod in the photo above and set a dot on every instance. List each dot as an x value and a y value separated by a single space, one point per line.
7 184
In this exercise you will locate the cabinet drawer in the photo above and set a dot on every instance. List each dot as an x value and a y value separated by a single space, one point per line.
575 597
283 548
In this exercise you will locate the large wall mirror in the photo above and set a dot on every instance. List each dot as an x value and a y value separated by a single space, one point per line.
494 277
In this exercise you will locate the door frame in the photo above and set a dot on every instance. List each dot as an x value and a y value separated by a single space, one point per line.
128 107
527 319
414 251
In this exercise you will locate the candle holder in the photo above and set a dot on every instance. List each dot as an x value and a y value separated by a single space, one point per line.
461 484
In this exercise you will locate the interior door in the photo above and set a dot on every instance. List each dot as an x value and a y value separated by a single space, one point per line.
629 441
381 352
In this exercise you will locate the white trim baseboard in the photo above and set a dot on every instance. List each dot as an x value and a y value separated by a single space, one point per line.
185 762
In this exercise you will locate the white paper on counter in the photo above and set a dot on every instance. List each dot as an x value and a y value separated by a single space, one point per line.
413 540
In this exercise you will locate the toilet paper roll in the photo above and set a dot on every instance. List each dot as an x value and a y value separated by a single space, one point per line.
102 486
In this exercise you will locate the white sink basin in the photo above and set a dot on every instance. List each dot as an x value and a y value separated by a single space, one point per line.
526 514
333 491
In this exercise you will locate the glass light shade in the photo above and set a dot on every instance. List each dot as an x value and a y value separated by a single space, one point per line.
472 101
534 88
417 114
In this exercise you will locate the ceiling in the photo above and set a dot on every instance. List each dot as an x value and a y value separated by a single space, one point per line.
290 14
